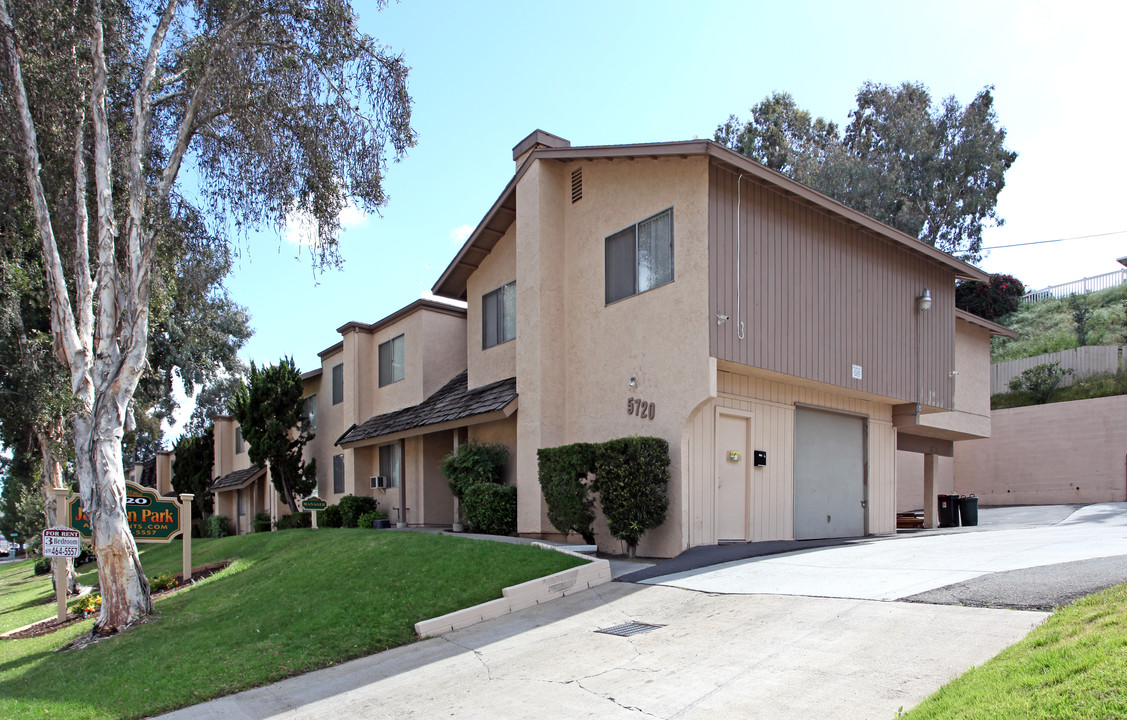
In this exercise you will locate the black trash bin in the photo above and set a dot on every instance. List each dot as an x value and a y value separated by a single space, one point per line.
968 510
948 511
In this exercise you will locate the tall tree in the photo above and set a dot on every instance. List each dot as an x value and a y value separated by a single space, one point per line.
192 468
284 106
932 172
271 413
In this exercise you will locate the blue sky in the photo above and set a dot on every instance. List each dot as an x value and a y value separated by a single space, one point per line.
484 75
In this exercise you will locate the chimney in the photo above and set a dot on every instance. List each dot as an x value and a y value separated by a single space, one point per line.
538 139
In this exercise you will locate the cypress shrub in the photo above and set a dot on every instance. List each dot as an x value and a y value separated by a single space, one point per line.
632 476
563 480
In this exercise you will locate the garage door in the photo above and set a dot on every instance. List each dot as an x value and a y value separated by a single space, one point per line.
829 475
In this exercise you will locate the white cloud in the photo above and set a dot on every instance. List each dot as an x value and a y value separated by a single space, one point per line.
301 228
460 233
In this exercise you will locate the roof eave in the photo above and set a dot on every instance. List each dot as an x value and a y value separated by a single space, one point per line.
993 327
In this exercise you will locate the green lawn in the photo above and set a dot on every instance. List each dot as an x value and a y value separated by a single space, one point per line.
290 602
1073 666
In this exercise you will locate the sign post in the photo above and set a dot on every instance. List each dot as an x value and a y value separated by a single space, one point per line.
61 542
313 504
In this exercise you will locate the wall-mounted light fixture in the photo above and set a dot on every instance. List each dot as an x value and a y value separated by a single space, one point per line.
721 319
923 302
633 382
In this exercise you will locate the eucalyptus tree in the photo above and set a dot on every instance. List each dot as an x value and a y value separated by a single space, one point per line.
282 108
933 172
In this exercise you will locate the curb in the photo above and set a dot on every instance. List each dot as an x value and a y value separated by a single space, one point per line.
527 594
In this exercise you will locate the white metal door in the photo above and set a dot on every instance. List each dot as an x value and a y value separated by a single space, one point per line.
733 434
829 475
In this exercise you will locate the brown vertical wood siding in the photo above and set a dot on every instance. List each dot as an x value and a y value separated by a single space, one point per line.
820 294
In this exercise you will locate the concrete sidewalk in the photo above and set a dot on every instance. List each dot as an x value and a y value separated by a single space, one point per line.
716 656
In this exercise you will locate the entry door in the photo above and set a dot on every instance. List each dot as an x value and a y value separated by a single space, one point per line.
829 475
732 436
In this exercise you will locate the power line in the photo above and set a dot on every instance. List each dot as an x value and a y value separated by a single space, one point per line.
1042 242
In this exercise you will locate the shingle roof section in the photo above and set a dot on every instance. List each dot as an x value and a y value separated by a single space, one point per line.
453 401
236 478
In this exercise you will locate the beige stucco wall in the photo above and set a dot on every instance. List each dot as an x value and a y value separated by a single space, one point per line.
771 404
1070 452
442 349
910 479
497 269
575 355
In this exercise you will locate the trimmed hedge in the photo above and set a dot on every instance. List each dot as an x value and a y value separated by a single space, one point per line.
262 521
568 494
491 509
302 519
632 478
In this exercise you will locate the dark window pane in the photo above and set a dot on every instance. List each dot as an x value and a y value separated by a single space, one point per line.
338 474
391 361
338 384
489 312
620 261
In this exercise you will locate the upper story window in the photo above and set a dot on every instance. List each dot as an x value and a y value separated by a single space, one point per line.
239 445
391 361
338 474
309 407
640 257
338 384
499 315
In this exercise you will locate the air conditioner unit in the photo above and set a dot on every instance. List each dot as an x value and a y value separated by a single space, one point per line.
379 482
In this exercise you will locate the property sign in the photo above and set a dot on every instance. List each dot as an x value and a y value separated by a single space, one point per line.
313 503
62 542
152 518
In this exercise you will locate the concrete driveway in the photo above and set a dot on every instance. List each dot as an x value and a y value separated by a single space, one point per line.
751 653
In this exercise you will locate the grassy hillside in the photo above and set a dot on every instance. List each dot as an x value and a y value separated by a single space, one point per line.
1048 326
290 602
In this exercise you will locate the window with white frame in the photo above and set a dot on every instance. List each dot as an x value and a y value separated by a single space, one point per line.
338 384
499 315
338 474
391 361
640 257
391 464
309 407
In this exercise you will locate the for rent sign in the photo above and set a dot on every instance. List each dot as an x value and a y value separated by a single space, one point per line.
151 517
62 542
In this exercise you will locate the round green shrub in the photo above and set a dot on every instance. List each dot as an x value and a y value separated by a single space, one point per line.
301 519
491 509
43 566
218 526
262 521
330 517
352 507
473 462
632 476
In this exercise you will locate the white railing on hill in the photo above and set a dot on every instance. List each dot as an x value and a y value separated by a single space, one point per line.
1078 287
1083 362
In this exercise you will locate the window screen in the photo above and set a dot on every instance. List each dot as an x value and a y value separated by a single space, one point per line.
338 384
640 257
391 361
499 315
338 474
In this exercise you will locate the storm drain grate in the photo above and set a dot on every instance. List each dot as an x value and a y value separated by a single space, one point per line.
629 629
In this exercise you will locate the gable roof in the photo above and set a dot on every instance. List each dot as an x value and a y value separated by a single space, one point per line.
454 402
237 479
501 215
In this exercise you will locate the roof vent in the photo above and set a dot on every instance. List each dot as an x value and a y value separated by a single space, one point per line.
577 184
